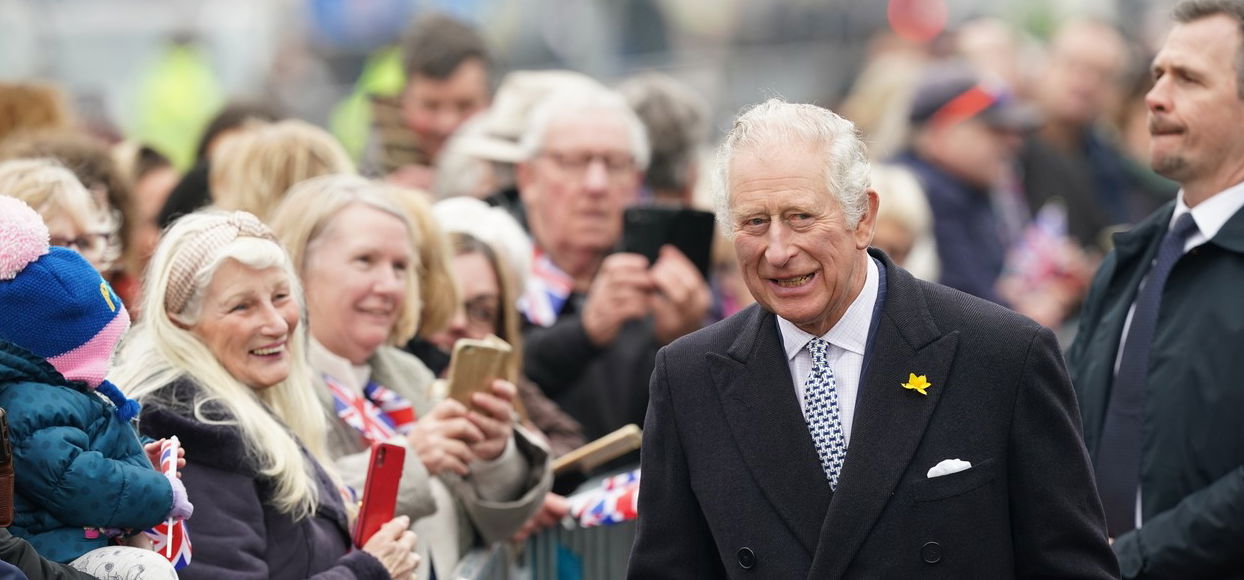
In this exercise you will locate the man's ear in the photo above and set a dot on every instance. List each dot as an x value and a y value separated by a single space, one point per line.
867 226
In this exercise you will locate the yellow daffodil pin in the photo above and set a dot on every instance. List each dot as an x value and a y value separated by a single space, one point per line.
917 384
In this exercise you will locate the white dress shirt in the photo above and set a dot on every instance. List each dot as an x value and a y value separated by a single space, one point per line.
847 340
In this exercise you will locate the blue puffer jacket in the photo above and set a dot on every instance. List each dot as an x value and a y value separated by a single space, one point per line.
76 464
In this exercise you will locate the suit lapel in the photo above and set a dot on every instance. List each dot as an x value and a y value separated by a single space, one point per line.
889 420
758 398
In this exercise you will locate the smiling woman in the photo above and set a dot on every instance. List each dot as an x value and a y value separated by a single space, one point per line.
355 246
246 322
219 361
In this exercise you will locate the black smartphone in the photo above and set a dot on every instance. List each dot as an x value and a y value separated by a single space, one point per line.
646 228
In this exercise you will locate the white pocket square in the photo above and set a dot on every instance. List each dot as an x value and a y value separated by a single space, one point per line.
948 466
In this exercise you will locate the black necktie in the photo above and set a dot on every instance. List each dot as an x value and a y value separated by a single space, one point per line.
1117 462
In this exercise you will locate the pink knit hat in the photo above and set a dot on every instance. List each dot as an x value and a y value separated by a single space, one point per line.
55 304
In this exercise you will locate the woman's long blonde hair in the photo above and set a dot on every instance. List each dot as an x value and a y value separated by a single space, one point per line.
253 170
438 292
161 350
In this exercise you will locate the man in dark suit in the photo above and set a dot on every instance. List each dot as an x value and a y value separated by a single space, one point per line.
856 422
1159 357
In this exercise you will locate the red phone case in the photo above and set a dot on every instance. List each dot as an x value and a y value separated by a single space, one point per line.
384 473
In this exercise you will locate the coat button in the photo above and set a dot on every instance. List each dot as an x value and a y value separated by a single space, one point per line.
931 553
746 558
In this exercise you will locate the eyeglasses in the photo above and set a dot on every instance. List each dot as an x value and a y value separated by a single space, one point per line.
482 312
616 163
91 245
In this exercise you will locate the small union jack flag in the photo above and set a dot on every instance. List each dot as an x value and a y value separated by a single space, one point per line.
394 406
614 501
171 539
376 421
547 290
1040 255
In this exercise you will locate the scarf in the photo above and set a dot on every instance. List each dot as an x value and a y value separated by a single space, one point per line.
547 290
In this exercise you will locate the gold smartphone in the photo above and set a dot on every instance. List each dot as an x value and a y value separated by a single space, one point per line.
474 365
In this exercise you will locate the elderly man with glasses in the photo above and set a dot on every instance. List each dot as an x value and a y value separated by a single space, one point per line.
596 319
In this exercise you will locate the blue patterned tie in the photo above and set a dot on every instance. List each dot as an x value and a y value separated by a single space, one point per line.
1117 461
820 395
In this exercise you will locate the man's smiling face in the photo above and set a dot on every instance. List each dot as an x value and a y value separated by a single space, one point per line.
797 253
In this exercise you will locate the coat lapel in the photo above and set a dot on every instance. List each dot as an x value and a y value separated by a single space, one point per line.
758 398
1133 251
889 420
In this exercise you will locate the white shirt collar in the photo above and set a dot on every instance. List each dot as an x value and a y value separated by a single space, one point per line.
1211 214
851 331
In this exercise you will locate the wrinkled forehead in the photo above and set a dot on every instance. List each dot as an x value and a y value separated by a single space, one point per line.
760 176
775 155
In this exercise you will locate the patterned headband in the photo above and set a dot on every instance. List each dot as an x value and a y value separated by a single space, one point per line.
201 247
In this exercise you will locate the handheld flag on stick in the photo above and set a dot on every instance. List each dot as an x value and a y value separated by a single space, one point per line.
170 538
616 500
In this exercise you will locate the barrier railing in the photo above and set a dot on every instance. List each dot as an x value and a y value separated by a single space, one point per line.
596 553
564 552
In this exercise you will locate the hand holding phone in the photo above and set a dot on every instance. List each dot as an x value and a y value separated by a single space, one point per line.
394 545
681 300
384 474
619 293
474 365
646 228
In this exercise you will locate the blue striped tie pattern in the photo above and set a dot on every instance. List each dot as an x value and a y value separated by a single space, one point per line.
821 412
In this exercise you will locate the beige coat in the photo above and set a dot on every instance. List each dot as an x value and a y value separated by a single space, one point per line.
452 514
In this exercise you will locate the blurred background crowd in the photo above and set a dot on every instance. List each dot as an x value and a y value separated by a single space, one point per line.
505 138
156 81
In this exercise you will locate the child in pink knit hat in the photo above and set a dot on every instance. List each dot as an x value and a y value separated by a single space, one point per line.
79 466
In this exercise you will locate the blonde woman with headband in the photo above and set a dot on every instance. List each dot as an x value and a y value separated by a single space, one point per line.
218 360
469 473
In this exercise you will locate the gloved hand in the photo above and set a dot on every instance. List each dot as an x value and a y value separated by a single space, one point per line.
182 508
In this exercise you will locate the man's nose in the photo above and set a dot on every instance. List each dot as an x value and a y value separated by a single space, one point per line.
596 175
779 250
1158 97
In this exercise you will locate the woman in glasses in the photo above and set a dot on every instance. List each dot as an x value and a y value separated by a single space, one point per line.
64 204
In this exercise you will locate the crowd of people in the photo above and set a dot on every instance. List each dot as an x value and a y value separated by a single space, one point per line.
293 307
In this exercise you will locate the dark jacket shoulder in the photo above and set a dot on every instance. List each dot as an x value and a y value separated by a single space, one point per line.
170 411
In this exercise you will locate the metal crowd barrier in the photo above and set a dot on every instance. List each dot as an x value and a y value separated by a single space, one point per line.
492 563
559 553
598 553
